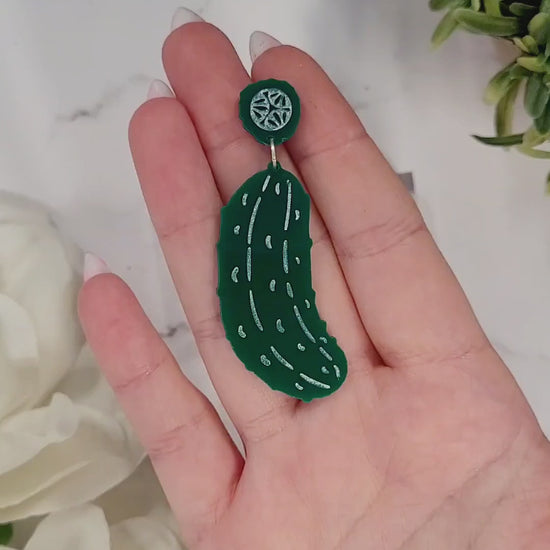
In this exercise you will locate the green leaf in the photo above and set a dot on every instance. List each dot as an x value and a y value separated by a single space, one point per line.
542 122
444 30
545 6
436 5
531 44
482 23
519 43
536 95
531 138
492 7
505 110
522 10
504 141
534 153
539 28
6 533
476 5
519 72
534 64
499 85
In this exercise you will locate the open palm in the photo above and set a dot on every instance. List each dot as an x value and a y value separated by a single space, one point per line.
429 444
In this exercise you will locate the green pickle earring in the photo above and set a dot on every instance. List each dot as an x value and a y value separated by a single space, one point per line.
264 263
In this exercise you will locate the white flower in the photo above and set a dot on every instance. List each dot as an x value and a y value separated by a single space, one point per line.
63 440
132 516
85 528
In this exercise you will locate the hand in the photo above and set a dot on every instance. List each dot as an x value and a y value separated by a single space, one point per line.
428 444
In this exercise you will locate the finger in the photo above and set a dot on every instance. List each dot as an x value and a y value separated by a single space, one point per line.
193 455
185 208
409 301
207 76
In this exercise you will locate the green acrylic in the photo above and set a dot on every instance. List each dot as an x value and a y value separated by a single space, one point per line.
264 264
268 309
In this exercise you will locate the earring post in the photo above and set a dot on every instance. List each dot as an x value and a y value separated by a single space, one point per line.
273 153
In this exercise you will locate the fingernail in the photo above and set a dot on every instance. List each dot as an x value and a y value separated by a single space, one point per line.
158 88
94 266
260 42
184 16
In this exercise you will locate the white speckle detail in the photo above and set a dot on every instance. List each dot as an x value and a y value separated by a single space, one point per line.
297 214
268 242
272 285
324 370
308 305
249 263
303 325
298 387
288 203
281 359
297 260
265 361
266 183
241 331
236 229
253 219
255 315
323 339
244 199
336 370
301 347
278 188
323 351
289 290
314 382
279 325
234 275
285 256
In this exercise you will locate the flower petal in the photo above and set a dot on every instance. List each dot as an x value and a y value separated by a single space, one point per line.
139 495
143 534
80 528
39 272
18 356
70 454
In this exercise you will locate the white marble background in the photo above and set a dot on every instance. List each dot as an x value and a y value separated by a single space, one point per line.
72 72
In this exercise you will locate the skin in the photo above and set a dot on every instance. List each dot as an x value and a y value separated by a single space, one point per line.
429 444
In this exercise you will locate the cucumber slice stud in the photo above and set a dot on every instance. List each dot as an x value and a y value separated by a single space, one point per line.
264 265
270 111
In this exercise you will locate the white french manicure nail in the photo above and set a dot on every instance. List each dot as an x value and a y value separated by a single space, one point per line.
184 16
158 88
94 266
260 42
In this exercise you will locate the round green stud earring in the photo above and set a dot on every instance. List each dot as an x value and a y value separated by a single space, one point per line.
264 263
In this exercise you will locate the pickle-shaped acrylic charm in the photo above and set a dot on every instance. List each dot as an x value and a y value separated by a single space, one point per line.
267 300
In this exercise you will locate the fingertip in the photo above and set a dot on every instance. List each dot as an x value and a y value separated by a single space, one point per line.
189 41
159 89
151 114
93 266
281 61
100 297
259 43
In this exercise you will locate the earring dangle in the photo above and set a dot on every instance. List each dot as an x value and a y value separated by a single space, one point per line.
264 263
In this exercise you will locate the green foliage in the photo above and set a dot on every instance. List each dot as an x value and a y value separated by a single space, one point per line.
6 533
527 25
